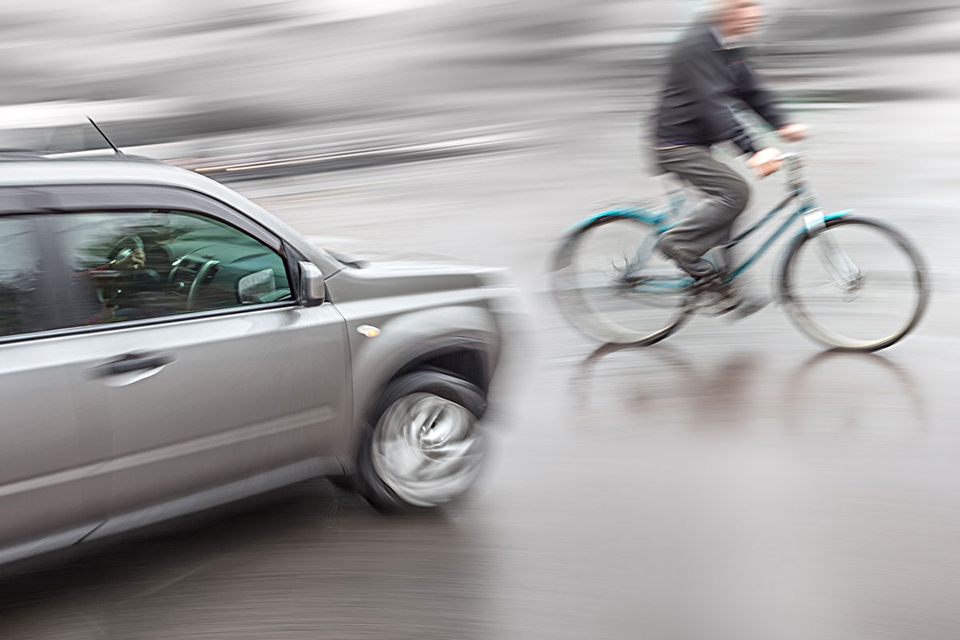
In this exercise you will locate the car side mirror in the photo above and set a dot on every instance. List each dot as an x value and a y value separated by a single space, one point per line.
313 291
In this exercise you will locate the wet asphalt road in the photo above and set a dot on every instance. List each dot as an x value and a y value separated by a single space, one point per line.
735 482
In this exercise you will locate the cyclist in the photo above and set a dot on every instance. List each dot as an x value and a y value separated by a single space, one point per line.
709 73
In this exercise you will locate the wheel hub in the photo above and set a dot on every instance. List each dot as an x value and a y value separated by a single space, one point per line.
427 449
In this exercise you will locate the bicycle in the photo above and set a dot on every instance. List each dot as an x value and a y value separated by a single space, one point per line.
840 278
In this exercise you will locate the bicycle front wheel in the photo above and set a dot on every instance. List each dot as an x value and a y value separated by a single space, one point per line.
614 286
854 285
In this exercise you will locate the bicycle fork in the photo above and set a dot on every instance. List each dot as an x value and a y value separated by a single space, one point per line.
845 273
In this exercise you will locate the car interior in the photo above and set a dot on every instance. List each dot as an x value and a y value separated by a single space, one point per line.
190 263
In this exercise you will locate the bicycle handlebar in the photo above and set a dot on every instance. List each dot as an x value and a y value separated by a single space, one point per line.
793 166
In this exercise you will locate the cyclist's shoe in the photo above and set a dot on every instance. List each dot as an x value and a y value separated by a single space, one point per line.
698 269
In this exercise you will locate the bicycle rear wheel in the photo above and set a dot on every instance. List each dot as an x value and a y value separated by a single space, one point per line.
855 285
615 287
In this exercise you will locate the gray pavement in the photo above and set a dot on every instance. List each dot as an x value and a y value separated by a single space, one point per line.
735 482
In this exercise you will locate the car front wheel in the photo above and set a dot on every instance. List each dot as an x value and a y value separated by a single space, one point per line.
422 447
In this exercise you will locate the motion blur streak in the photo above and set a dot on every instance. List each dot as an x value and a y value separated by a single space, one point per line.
734 483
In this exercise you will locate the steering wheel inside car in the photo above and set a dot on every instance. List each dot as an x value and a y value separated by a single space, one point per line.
193 298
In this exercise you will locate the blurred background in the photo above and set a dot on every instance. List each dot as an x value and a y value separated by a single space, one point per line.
733 483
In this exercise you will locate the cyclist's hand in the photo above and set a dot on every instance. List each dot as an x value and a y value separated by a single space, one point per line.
765 162
794 132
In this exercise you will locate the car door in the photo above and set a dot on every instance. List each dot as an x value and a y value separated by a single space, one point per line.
53 430
211 369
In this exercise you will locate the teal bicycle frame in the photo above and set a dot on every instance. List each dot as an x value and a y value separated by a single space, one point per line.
663 220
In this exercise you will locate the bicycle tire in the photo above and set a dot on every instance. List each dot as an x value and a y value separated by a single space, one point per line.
800 315
589 321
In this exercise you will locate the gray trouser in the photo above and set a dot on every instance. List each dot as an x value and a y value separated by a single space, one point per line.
711 223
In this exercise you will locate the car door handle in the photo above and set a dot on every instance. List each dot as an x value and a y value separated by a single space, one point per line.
131 363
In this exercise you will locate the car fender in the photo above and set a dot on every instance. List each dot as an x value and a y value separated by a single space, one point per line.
382 349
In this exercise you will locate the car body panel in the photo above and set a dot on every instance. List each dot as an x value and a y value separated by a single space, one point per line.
214 497
54 434
243 394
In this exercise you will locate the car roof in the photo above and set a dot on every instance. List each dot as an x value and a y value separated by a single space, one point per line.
21 169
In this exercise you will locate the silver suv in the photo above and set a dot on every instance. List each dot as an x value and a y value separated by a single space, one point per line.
167 346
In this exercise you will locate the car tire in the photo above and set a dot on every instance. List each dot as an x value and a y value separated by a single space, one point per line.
345 483
421 447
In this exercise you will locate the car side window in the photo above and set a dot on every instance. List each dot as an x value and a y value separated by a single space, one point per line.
152 264
20 267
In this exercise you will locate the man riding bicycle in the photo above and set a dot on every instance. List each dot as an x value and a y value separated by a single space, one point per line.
708 74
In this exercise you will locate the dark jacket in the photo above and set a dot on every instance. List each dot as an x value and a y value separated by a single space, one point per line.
703 82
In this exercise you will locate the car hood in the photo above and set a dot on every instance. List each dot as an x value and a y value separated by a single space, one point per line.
383 273
362 255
